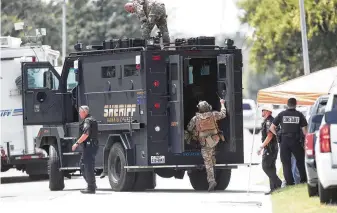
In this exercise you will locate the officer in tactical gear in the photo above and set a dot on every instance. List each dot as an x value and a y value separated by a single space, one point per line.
89 129
150 13
270 149
291 121
204 127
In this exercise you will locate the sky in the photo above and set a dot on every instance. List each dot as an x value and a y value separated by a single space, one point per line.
196 17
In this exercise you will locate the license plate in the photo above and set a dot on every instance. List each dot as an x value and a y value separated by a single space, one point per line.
157 159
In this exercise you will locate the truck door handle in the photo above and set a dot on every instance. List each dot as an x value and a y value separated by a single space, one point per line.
132 85
29 92
174 89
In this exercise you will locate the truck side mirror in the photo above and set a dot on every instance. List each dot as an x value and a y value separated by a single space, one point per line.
48 81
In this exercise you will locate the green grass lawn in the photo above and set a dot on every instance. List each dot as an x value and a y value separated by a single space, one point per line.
295 199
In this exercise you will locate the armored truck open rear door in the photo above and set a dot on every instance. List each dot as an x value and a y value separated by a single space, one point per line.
42 98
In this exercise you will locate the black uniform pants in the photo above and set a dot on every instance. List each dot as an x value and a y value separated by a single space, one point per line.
292 145
269 167
88 164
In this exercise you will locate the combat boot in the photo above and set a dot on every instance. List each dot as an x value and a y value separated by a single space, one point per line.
212 186
103 175
88 191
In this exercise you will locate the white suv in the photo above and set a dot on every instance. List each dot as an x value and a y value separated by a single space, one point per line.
326 153
248 112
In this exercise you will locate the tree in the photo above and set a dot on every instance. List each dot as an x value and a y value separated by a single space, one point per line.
278 36
95 21
35 14
88 21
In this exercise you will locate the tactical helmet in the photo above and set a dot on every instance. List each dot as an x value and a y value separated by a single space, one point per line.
203 106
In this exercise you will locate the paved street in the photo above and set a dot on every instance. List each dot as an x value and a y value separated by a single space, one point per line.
18 193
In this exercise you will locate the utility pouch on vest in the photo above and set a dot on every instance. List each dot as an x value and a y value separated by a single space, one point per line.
210 142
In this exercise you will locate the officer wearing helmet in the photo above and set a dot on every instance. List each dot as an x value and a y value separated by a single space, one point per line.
150 13
270 149
292 122
204 127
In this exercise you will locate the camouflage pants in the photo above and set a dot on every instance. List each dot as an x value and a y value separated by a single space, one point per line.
159 18
209 158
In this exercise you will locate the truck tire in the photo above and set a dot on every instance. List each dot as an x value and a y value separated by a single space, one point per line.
312 190
39 177
56 177
223 177
144 181
198 179
119 178
327 196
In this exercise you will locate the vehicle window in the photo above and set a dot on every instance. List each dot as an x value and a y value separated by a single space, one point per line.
204 70
109 72
313 127
41 78
130 70
71 81
246 107
334 103
321 108
190 75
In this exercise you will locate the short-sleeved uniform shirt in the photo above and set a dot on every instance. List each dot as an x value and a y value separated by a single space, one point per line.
291 121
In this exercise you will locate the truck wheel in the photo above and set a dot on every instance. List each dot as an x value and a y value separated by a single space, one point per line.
39 177
56 177
119 178
327 196
198 180
223 177
145 180
312 190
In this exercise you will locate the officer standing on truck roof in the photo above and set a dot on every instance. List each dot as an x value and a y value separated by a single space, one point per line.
150 13
291 121
89 129
270 149
204 126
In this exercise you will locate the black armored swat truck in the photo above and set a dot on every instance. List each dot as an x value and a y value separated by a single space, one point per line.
143 95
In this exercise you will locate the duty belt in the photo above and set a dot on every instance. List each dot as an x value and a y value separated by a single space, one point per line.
91 142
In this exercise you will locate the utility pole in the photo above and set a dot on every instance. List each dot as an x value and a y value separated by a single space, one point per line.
304 39
64 34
